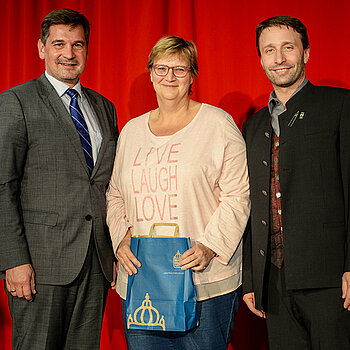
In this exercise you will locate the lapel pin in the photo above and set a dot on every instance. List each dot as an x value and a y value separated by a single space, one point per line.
293 119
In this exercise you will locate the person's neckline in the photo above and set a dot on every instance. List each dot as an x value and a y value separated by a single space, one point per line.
177 132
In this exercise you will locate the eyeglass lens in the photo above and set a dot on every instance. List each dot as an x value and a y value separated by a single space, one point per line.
162 70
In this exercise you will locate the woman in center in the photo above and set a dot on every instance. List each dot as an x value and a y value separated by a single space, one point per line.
185 163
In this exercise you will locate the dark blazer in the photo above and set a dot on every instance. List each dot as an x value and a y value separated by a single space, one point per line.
314 167
49 204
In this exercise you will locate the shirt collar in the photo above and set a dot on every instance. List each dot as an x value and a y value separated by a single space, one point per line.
62 87
273 100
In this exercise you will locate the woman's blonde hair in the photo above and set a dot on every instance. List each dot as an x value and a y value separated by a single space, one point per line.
174 45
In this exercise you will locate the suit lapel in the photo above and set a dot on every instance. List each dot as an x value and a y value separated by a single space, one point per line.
101 120
63 117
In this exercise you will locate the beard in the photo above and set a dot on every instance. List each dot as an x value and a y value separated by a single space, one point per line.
295 73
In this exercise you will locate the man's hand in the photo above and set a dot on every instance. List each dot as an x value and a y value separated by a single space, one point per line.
346 290
20 281
126 257
196 258
249 299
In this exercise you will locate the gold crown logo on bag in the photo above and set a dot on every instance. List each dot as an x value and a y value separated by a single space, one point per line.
150 311
176 260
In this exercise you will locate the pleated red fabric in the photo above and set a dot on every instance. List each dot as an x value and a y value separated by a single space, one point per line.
230 76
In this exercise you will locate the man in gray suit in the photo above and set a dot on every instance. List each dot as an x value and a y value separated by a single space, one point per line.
57 147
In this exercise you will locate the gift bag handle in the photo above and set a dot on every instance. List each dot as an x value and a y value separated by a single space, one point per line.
176 231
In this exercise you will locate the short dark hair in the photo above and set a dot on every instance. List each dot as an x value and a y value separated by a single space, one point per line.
283 21
64 16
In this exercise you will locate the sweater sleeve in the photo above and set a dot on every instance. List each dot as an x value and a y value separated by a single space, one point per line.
225 228
117 220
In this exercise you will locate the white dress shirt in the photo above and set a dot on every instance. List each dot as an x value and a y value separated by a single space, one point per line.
88 113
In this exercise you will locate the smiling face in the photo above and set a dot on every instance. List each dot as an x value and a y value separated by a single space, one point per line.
283 57
170 87
65 53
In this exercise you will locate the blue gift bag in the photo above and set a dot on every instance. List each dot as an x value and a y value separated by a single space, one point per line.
161 296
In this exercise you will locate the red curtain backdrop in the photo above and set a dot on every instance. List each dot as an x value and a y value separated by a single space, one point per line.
230 76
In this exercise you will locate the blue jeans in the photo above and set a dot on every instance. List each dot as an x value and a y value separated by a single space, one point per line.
216 319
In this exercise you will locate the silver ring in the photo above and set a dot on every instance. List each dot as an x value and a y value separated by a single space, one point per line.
12 291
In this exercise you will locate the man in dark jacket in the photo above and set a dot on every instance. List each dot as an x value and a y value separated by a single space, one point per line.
296 255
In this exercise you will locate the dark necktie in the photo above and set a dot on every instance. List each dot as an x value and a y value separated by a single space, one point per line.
81 126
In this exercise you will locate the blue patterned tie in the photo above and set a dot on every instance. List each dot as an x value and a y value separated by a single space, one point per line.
81 126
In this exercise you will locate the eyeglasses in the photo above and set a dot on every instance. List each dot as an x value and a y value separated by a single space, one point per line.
162 70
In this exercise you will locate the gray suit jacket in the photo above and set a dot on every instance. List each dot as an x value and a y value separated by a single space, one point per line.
49 204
